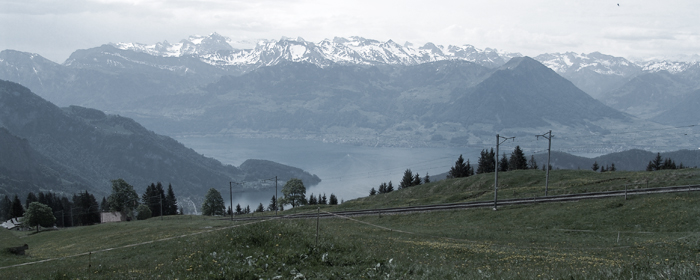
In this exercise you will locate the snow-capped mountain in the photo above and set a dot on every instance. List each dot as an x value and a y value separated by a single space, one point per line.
596 62
673 67
218 50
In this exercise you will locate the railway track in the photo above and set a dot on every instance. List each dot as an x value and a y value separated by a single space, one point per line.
485 204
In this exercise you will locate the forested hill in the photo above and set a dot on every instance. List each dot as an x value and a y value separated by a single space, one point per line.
92 148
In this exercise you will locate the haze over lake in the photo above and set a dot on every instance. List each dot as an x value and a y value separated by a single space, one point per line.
347 171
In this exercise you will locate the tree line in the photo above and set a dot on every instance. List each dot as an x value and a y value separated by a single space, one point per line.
293 193
83 209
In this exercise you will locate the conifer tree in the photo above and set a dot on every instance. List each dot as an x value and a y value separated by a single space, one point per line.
459 170
17 209
104 207
239 210
503 164
595 166
31 197
389 187
517 159
247 209
427 178
416 180
323 200
312 199
333 200
532 164
657 162
273 204
5 208
486 163
170 202
382 188
407 179
372 192
260 208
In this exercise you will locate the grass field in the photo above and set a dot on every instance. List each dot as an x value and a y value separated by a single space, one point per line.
647 237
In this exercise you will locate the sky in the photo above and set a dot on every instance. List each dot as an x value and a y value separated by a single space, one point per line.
634 29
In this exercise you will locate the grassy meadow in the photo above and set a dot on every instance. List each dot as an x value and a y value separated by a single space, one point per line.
647 237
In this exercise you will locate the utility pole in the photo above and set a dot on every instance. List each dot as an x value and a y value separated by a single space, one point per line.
230 193
495 157
548 136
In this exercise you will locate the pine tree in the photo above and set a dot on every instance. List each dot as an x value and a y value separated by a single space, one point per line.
104 207
517 160
312 199
260 208
416 180
532 164
427 178
324 201
657 162
333 200
382 188
503 165
486 163
5 208
595 166
650 166
459 170
372 192
603 169
273 204
31 197
407 179
612 167
389 187
170 202
239 210
247 209
470 169
17 209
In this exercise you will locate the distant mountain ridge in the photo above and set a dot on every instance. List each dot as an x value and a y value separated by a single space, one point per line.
217 50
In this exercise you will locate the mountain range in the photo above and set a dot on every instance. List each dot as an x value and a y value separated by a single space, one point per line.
363 91
65 150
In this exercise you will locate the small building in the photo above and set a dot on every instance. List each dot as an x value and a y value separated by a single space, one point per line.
14 223
112 217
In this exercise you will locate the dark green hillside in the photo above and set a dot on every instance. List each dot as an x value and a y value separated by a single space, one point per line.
22 169
524 184
93 148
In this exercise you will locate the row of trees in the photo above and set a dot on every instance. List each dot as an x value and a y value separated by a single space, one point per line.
658 164
125 200
293 193
486 164
82 209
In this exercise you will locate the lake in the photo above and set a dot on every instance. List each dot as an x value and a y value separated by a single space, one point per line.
345 170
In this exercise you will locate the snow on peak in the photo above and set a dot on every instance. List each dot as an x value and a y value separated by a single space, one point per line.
597 62
219 50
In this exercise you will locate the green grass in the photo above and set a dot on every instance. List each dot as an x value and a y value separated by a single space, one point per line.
659 238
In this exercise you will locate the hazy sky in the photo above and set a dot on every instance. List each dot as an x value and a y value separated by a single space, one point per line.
634 29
